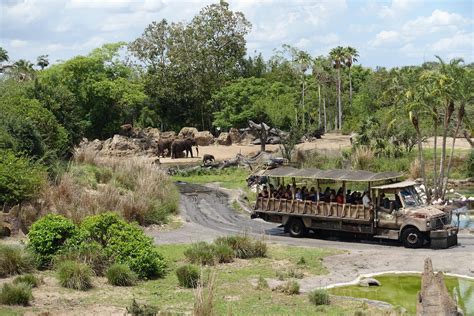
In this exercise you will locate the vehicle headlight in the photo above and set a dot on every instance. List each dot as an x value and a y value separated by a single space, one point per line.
428 224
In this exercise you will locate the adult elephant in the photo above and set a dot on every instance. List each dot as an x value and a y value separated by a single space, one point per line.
180 145
164 147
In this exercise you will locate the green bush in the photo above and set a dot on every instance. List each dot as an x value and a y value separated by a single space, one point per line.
201 253
121 275
223 253
290 287
16 294
262 283
319 297
20 178
14 260
29 279
188 276
48 235
74 275
470 164
125 243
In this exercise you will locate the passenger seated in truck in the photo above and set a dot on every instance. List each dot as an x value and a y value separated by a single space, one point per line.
339 196
349 197
299 194
312 196
264 193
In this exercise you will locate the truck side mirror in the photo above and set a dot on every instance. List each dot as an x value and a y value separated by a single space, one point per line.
391 206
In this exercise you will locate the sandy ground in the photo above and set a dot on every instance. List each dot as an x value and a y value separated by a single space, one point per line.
330 142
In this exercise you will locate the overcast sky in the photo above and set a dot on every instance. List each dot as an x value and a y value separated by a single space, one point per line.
386 33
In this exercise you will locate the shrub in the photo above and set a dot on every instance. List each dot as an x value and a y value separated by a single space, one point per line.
188 276
74 275
48 235
125 243
16 294
259 249
200 253
121 275
13 260
223 253
290 287
29 279
136 309
20 178
363 158
301 261
295 273
319 297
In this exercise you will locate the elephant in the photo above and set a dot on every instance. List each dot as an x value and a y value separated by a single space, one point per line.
164 147
207 158
180 145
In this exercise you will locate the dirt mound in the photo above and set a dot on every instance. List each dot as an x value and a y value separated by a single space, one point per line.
224 139
204 138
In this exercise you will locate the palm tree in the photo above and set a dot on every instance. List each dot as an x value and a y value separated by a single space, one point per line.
42 61
351 57
3 55
337 56
23 69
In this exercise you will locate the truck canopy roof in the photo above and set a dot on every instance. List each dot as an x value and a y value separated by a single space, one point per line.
396 185
333 174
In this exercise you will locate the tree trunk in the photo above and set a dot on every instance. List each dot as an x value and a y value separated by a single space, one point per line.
447 117
325 121
302 93
415 123
263 137
339 98
350 87
319 104
456 131
435 179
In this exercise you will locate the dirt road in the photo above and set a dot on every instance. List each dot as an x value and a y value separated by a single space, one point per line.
207 215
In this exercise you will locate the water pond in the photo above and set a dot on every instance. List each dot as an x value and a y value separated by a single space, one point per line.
402 289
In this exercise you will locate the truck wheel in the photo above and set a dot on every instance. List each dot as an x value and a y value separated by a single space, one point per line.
412 238
296 228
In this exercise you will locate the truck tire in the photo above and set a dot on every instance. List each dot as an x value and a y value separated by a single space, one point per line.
296 228
412 238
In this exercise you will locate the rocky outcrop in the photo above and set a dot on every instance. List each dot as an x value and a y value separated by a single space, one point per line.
434 298
204 138
186 132
369 282
234 135
247 138
224 139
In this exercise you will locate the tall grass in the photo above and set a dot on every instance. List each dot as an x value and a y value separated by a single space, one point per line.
14 260
135 188
204 296
74 275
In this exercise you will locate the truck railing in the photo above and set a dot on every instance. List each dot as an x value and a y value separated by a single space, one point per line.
350 212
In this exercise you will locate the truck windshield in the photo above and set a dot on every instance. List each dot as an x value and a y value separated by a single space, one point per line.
410 197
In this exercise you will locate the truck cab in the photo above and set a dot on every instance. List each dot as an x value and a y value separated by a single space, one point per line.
401 214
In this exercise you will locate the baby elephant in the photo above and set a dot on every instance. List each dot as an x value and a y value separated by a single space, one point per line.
208 158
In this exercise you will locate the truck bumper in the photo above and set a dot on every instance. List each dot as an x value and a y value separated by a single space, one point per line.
442 239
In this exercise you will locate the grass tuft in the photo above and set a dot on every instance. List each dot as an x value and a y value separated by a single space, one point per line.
29 279
14 260
74 275
16 294
319 297
120 275
188 276
290 287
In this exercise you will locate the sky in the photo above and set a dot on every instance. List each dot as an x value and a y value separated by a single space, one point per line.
386 33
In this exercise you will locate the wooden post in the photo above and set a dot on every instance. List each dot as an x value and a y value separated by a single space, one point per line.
293 187
318 194
343 192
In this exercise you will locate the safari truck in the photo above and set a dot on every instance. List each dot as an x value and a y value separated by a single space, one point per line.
395 210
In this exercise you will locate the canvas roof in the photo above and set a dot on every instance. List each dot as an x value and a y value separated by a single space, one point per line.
396 185
334 174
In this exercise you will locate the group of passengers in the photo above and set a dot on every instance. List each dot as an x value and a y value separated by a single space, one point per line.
303 194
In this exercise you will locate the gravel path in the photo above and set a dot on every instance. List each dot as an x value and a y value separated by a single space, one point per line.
207 215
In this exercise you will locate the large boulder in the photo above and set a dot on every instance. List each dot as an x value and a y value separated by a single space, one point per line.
224 139
234 135
153 133
369 282
204 138
168 135
186 132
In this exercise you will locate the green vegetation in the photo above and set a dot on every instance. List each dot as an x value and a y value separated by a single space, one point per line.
319 297
121 275
14 260
289 287
74 275
244 247
401 290
188 276
16 294
20 178
48 235
29 279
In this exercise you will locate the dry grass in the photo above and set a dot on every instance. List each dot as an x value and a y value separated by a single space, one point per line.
363 158
204 298
135 188
415 169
